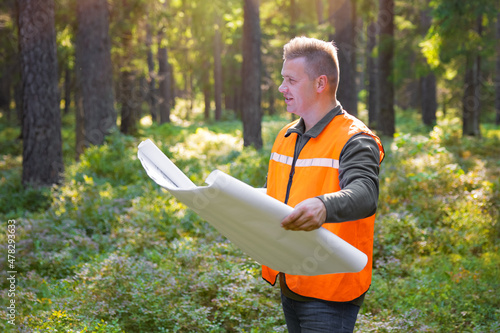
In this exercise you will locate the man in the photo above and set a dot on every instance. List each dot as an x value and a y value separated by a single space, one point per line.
326 166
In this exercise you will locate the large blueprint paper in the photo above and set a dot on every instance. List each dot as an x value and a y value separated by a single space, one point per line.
251 220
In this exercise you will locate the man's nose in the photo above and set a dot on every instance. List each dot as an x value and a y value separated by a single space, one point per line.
282 88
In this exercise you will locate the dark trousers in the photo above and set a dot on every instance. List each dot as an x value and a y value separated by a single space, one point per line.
317 316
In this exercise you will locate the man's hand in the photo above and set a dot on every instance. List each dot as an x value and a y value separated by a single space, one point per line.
308 215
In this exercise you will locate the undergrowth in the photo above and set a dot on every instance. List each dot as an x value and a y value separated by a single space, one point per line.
109 251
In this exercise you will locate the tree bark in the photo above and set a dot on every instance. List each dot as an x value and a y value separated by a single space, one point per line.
93 58
164 98
272 100
5 91
79 119
67 87
471 103
191 93
232 87
171 79
470 100
218 69
497 73
206 98
129 110
206 89
429 100
342 18
428 82
386 119
151 90
164 85
42 143
129 98
372 71
251 73
18 99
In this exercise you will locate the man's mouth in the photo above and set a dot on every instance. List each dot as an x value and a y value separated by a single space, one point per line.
288 99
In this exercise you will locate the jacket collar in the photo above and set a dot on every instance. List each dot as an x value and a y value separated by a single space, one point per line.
316 130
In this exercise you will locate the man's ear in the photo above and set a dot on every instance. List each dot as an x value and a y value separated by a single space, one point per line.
321 83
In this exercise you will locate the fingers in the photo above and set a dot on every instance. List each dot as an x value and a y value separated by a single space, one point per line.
294 220
307 215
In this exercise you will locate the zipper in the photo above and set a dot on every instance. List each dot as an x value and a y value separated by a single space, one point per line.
292 171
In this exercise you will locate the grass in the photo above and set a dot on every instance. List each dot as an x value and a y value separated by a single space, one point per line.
109 251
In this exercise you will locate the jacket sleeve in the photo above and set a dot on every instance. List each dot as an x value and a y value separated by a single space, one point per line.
358 178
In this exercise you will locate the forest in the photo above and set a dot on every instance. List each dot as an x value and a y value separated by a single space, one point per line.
91 244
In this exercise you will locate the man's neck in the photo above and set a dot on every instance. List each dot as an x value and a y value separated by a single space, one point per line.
313 118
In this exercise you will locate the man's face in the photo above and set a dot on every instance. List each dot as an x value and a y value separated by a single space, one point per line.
297 88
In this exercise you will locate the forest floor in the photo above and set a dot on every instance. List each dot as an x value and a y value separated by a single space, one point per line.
110 251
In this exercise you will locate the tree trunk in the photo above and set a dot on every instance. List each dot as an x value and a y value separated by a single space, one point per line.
128 92
218 69
42 143
79 120
206 89
232 87
164 85
93 58
361 75
18 99
386 119
342 18
471 102
409 95
164 102
128 103
272 100
206 95
251 72
67 87
428 82
5 94
429 100
6 78
372 71
497 73
171 79
151 90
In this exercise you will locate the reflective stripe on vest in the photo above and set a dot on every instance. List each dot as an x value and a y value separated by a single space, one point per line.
316 173
306 162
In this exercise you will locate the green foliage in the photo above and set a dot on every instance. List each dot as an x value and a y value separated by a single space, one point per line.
437 240
16 198
109 251
188 285
10 139
114 161
250 167
112 252
59 321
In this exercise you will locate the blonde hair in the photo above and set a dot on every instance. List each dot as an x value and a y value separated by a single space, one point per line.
321 57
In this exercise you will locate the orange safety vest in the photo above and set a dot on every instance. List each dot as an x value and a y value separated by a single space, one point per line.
317 173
